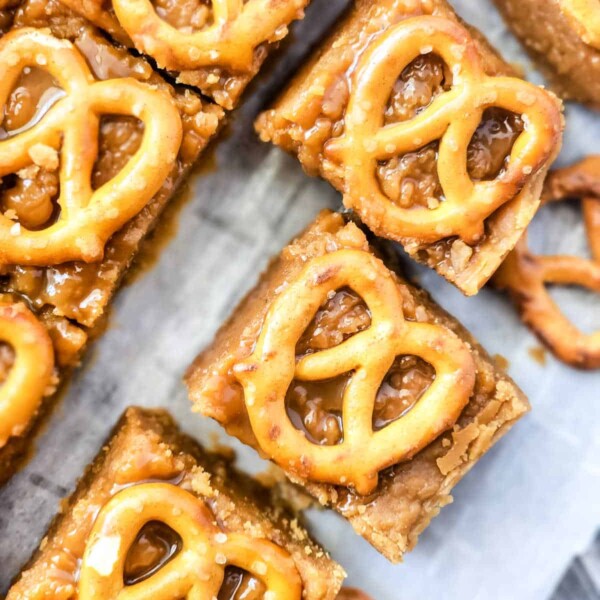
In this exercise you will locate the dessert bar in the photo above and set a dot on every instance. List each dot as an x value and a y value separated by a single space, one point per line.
356 383
427 133
563 37
156 515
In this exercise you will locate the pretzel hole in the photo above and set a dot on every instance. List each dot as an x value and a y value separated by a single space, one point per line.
404 384
188 16
240 585
489 150
155 545
341 316
580 305
119 138
7 360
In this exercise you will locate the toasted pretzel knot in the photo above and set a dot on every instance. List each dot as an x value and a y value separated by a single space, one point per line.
197 570
267 374
237 28
452 118
87 217
31 372
525 274
585 17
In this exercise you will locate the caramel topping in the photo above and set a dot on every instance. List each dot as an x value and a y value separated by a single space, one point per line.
431 145
27 367
196 568
354 455
193 34
239 585
585 18
65 137
525 275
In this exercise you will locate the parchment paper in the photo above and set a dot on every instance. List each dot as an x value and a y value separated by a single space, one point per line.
518 517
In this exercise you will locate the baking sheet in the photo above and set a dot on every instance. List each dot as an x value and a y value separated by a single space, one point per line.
522 513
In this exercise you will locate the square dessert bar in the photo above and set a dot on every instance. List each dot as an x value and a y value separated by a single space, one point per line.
356 383
217 46
155 511
426 132
94 144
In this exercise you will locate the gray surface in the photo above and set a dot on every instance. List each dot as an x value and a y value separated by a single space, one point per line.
518 518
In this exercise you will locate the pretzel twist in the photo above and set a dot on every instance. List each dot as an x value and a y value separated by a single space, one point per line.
452 118
238 28
197 570
268 372
584 16
87 217
525 275
31 372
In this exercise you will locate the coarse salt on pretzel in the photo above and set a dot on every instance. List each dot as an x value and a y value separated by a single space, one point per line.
452 118
30 375
197 571
268 372
584 16
525 275
88 217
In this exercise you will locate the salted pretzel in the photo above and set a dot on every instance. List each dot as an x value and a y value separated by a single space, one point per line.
584 16
30 374
268 372
237 27
452 118
525 275
197 570
87 217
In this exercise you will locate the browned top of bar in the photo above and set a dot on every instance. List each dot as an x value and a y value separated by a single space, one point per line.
148 449
78 290
411 116
217 46
410 493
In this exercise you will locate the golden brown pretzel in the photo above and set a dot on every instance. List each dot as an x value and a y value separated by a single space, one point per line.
584 16
525 275
268 372
31 373
87 217
197 571
238 27
452 118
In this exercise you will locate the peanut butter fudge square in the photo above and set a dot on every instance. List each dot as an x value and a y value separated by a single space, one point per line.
426 132
217 46
93 145
357 384
156 514
563 37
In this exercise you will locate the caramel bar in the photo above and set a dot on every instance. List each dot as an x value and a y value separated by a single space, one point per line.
356 383
426 132
157 514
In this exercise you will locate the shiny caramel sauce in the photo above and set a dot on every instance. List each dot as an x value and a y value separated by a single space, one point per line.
411 180
156 544
240 585
186 15
316 407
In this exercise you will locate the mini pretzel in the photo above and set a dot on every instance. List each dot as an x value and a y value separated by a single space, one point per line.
197 571
267 374
525 274
238 28
87 217
585 18
452 118
31 372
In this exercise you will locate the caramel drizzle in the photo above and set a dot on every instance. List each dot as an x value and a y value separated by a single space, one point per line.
452 118
368 355
30 375
584 16
238 28
197 570
525 274
87 217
